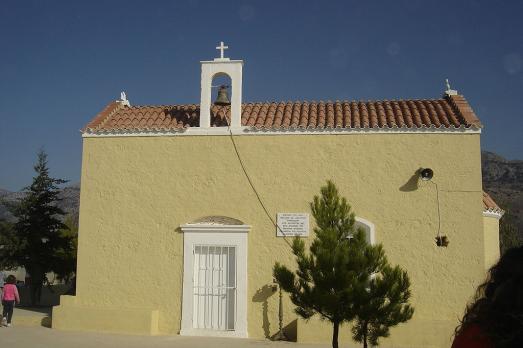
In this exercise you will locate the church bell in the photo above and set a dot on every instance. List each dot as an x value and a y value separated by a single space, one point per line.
223 96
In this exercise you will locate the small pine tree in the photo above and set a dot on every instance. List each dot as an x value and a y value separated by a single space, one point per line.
37 239
383 304
343 278
323 283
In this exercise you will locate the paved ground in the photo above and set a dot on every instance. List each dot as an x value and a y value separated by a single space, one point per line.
41 337
27 331
26 316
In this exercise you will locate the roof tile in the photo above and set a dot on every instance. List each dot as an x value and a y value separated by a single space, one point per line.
490 205
450 111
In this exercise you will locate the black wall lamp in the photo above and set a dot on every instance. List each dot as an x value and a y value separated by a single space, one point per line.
426 174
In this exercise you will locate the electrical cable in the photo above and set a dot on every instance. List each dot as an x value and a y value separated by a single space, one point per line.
439 214
439 238
252 184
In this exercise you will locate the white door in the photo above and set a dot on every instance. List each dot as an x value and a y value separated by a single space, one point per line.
214 298
214 287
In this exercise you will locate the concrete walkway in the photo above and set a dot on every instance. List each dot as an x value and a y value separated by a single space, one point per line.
41 337
26 316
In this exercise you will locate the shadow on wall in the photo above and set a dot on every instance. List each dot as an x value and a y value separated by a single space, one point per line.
290 330
262 295
412 183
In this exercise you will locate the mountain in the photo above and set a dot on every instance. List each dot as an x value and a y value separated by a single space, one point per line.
503 181
70 202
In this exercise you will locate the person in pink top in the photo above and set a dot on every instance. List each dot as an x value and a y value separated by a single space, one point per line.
9 297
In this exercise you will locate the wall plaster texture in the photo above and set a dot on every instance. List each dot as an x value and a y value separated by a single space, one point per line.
491 230
137 191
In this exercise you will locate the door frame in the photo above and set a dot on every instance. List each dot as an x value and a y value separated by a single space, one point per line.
214 234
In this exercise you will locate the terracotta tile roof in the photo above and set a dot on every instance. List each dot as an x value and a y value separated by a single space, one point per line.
489 205
447 112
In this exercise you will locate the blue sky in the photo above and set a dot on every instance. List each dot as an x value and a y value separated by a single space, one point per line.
61 62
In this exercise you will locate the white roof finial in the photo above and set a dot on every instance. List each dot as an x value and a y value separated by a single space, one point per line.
222 48
123 99
450 91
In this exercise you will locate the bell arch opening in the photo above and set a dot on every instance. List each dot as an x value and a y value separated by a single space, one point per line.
221 92
221 72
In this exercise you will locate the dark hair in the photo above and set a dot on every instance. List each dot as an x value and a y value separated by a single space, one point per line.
11 279
498 304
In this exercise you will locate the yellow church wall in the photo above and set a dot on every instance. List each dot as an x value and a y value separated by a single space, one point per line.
137 191
491 230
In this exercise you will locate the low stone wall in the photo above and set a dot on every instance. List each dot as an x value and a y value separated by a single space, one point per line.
70 315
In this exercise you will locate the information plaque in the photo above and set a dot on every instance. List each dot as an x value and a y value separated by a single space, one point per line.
292 224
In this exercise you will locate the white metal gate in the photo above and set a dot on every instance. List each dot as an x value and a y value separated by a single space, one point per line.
214 287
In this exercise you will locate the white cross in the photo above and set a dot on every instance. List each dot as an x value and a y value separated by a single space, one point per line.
221 48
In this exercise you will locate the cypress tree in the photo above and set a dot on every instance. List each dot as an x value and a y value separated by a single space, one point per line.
37 238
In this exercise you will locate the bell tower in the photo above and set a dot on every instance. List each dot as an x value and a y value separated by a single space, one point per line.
217 67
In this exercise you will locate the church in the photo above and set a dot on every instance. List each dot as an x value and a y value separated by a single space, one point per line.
185 209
